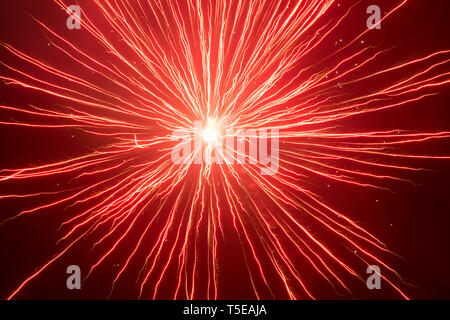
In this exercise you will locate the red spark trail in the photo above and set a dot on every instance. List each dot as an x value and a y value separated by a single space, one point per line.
242 65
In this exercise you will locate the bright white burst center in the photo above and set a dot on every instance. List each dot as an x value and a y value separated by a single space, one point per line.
210 135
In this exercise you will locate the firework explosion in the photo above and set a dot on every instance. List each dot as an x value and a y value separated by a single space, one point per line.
151 68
